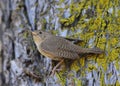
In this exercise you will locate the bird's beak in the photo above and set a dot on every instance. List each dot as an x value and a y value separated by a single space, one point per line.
34 33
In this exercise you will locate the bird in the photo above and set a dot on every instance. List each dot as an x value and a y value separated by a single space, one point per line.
58 48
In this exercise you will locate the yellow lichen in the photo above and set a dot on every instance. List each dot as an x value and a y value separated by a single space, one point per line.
103 27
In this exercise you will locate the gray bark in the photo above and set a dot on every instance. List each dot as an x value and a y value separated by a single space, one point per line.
19 57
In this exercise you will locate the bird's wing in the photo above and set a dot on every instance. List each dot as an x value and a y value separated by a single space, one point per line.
75 41
59 47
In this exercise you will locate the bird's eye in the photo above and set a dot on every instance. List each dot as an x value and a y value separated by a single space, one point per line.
40 32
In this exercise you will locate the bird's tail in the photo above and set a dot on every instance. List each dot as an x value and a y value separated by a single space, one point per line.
92 51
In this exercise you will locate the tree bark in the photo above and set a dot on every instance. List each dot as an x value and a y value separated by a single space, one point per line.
20 62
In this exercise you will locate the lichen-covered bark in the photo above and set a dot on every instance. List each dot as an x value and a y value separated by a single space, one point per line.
96 22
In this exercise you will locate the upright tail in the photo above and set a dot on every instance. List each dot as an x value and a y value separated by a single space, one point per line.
91 51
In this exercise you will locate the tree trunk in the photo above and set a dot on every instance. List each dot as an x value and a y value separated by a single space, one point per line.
22 65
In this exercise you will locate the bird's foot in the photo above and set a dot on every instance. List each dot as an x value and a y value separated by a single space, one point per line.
55 68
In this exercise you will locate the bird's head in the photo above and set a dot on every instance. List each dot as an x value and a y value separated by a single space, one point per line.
40 35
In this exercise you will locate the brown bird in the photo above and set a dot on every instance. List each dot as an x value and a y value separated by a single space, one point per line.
59 48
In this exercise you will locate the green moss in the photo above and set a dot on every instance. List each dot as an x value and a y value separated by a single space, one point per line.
103 27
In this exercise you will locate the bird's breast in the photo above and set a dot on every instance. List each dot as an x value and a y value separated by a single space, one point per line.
49 54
